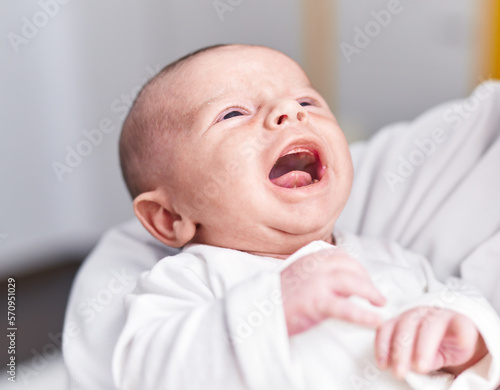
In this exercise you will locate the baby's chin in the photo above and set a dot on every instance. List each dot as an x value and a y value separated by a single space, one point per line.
280 236
278 244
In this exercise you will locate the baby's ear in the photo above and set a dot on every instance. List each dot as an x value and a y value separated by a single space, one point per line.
157 214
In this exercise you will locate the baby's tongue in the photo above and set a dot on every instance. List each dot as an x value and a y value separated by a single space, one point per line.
293 179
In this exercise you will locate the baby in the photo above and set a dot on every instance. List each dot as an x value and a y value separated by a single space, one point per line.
230 153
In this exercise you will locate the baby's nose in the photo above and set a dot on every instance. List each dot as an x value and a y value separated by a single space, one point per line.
286 112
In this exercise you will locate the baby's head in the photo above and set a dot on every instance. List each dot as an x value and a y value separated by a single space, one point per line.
233 147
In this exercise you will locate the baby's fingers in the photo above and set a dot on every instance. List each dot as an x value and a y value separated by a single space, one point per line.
383 343
454 339
359 285
395 341
346 310
427 356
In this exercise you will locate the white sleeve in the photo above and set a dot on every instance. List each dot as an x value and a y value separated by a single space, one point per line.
179 335
459 297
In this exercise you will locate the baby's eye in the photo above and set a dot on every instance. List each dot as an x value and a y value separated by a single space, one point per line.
231 114
307 101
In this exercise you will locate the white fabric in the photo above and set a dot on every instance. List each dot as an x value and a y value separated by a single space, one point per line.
187 308
95 313
446 210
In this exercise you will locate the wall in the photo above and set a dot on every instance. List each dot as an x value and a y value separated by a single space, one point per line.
77 71
394 59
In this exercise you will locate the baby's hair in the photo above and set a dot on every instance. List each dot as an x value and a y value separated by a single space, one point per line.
144 127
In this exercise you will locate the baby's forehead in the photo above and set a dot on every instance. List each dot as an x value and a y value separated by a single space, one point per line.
228 71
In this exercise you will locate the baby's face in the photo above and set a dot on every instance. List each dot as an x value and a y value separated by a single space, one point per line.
261 164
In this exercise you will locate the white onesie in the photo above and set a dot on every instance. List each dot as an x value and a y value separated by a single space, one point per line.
212 318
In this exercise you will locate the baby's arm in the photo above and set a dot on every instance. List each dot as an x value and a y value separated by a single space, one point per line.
184 330
317 287
427 339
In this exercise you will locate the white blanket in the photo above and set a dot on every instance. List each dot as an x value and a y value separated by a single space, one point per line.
446 209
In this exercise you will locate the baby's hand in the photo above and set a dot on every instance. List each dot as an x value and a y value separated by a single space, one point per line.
426 339
316 287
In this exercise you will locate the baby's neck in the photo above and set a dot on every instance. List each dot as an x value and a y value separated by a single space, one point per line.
330 239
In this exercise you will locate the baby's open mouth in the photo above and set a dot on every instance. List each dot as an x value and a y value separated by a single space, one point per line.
297 168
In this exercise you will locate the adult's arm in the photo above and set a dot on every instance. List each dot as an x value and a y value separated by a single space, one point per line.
433 186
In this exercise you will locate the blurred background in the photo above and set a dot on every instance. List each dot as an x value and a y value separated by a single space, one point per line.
71 69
